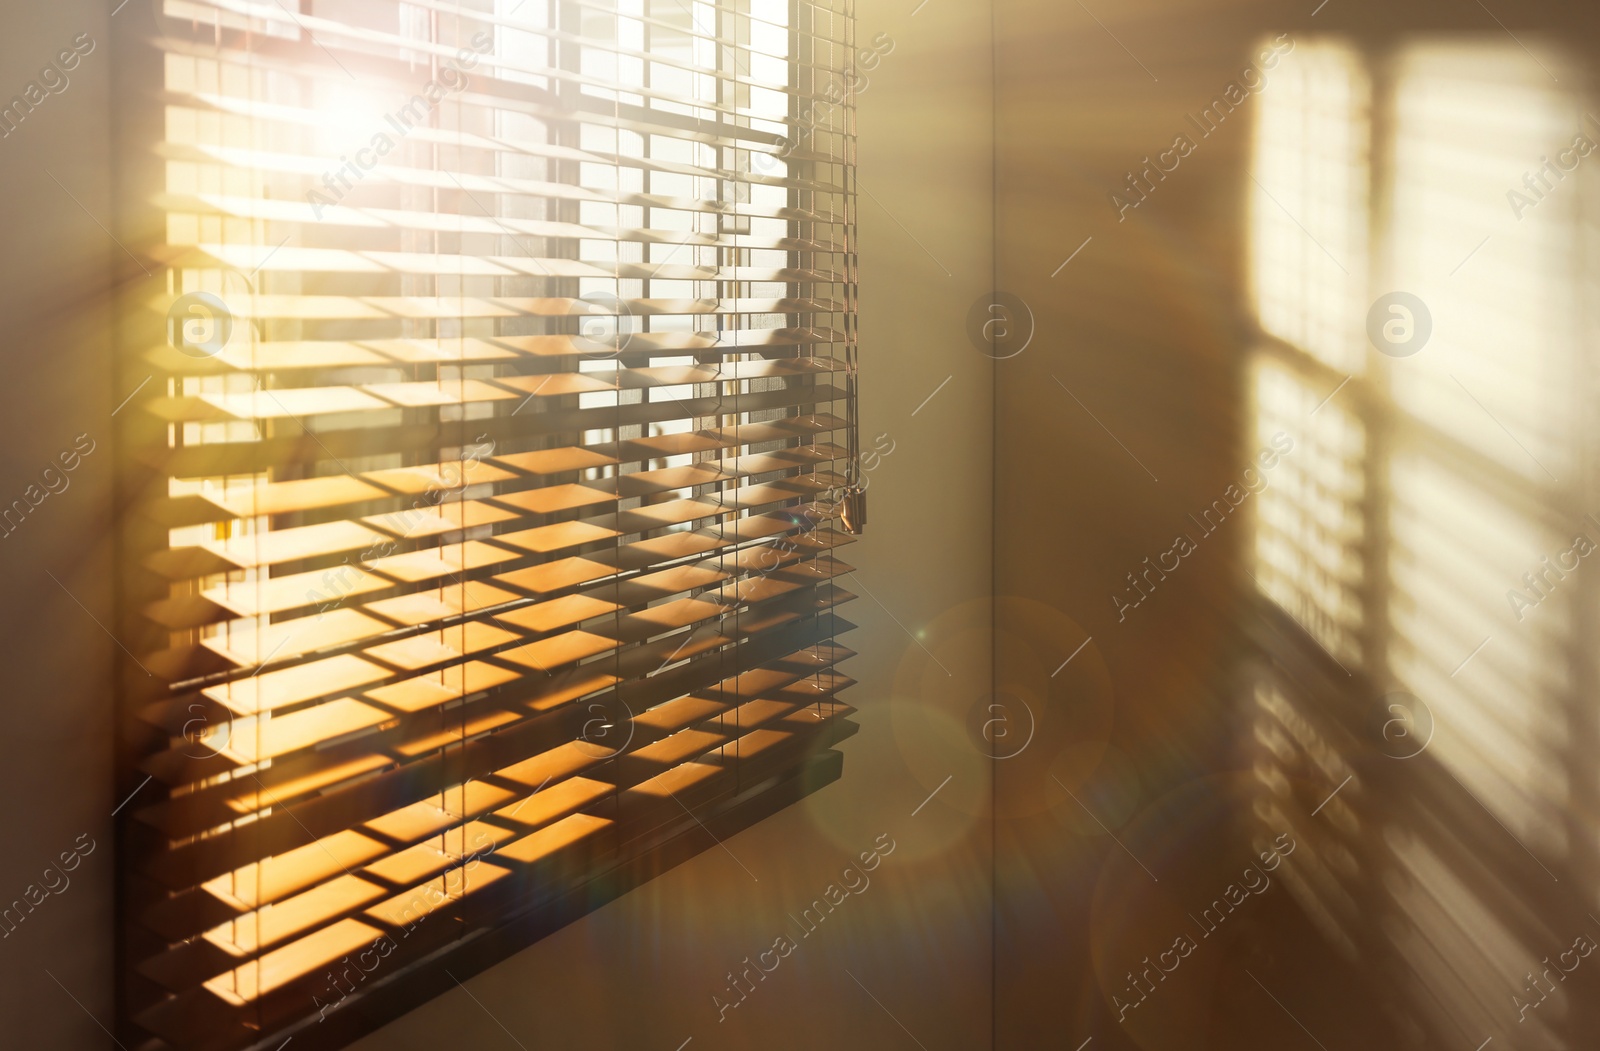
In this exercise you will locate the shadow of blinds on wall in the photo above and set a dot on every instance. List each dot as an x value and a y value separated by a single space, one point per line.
1427 530
501 425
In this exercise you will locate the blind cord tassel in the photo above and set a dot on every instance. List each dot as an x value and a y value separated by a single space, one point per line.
853 506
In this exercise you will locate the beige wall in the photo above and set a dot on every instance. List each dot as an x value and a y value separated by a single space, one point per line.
1140 327
55 755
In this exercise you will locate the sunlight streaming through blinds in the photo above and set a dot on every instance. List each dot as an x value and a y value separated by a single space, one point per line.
505 405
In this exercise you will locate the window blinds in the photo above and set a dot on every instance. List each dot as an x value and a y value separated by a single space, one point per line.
494 447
